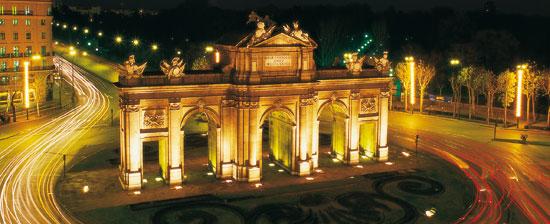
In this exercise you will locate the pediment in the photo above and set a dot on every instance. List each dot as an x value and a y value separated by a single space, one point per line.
283 39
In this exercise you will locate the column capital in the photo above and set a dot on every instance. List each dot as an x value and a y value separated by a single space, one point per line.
355 94
308 99
384 93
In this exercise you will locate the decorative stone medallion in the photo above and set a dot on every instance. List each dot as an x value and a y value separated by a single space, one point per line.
369 105
154 119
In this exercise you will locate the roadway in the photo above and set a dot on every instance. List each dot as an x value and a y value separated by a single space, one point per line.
31 160
509 176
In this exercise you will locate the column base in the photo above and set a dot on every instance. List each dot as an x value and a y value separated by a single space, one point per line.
254 174
227 170
246 173
175 176
131 180
304 168
353 157
383 153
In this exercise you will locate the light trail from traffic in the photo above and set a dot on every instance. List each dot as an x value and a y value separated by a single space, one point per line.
31 164
502 176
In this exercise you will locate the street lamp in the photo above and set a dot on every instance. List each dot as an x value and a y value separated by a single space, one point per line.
72 53
410 61
154 47
135 42
520 71
455 62
26 87
100 34
118 39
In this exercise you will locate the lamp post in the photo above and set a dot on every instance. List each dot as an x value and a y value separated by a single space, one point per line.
26 87
72 53
410 61
520 71
455 63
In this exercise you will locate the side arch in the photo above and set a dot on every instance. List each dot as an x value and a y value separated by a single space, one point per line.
272 109
212 115
338 103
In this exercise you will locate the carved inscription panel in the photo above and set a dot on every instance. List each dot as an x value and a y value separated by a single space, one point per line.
277 61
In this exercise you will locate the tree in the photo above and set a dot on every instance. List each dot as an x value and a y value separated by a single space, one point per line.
506 88
457 94
531 84
403 74
424 75
546 87
472 82
490 88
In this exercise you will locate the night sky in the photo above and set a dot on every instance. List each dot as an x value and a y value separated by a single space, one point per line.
512 6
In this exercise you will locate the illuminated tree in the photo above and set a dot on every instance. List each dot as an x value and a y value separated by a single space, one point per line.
489 90
403 74
507 89
546 88
472 82
457 94
531 84
424 75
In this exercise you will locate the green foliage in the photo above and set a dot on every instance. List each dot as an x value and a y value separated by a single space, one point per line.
200 63
507 87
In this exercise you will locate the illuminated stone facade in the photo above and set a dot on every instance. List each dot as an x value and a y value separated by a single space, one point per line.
25 36
270 80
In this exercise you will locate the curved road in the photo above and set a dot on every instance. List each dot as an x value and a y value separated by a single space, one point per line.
506 174
31 161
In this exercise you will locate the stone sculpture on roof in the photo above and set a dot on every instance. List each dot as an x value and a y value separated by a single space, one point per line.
264 28
296 31
382 64
355 64
175 69
131 69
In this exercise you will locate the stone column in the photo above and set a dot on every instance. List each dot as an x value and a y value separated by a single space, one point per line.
305 136
352 156
132 148
175 140
227 137
247 165
383 126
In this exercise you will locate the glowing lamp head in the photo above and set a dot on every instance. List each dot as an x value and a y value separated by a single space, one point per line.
118 39
135 42
72 53
209 48
100 34
86 31
455 62
154 47
36 57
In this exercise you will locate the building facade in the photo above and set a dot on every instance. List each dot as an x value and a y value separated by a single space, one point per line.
25 36
266 82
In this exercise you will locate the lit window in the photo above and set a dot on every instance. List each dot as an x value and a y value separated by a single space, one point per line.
43 35
43 50
16 65
49 11
2 51
4 66
2 36
16 50
15 36
28 36
28 50
27 10
15 21
2 10
28 22
2 22
14 10
42 22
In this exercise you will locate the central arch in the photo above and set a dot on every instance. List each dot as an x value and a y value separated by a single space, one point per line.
201 145
333 129
277 138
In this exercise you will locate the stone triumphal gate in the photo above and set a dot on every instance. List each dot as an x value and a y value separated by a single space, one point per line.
266 81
